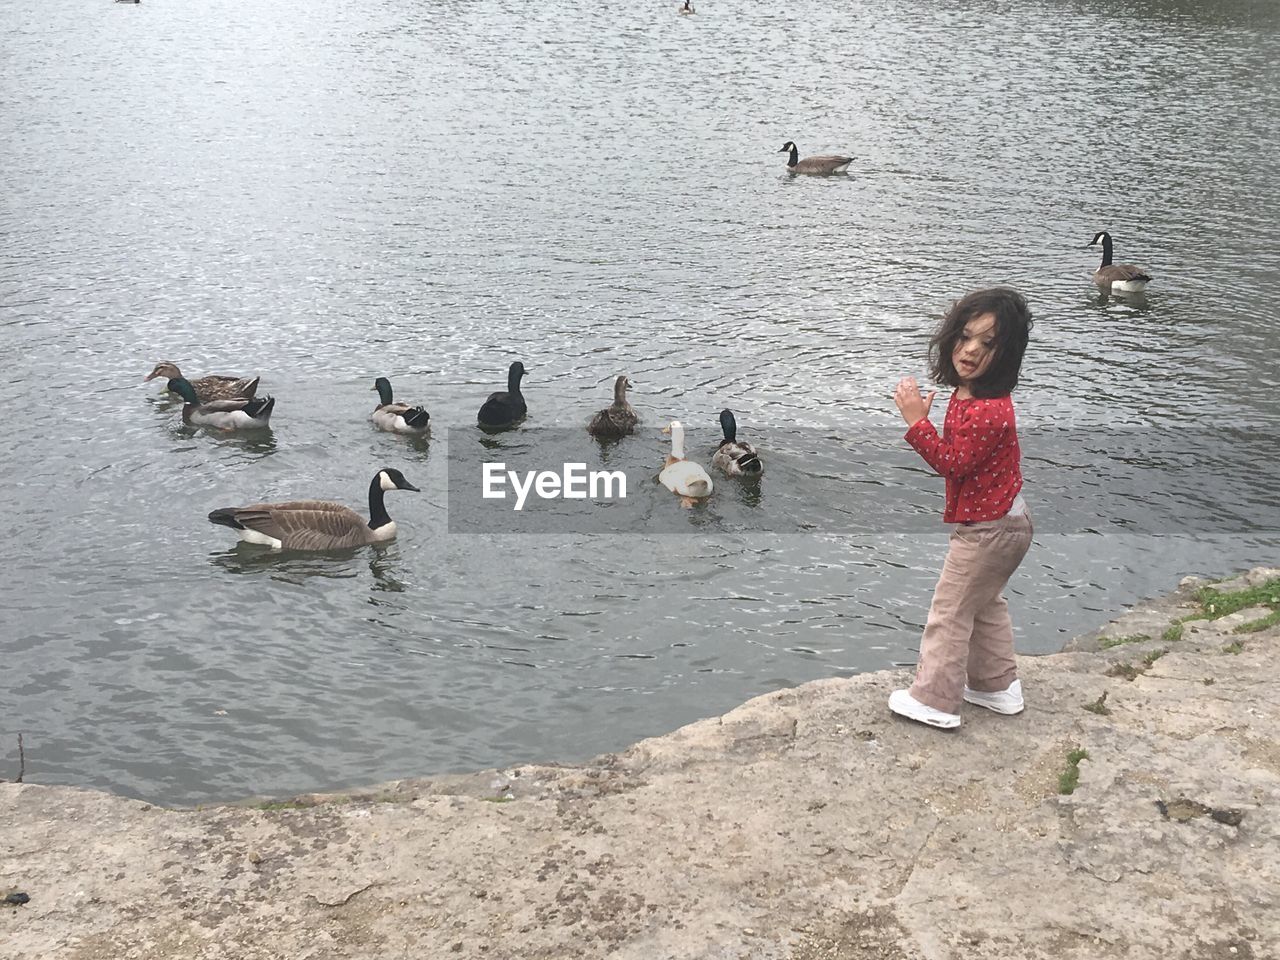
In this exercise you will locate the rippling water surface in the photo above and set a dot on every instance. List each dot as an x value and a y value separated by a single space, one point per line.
323 194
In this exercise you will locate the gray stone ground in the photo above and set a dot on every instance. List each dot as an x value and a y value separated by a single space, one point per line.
805 824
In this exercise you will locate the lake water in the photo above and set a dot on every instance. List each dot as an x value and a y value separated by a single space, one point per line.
427 191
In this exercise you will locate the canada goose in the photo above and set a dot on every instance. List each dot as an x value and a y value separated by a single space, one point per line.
618 419
735 457
820 166
683 477
1117 277
213 387
505 407
241 414
316 524
397 417
688 7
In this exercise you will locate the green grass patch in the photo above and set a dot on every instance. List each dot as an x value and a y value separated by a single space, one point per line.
1234 647
1217 604
1106 643
1069 778
1253 626
283 805
498 799
1153 656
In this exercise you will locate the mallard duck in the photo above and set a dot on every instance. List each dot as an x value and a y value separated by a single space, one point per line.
735 457
683 477
209 388
505 407
618 419
241 414
821 166
1116 277
687 8
398 417
316 524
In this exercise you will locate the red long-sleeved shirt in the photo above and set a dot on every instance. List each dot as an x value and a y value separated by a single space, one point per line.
977 455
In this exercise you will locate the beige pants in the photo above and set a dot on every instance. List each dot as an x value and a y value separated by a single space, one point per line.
968 635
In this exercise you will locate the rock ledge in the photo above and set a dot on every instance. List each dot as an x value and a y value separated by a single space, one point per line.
805 824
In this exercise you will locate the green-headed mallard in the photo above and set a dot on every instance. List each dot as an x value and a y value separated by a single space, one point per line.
683 477
821 166
735 457
213 387
398 417
504 408
316 524
1116 277
241 414
618 419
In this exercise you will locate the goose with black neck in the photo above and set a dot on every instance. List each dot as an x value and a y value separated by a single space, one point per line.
1116 277
317 524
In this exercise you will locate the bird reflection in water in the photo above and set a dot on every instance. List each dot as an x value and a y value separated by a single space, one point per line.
383 565
1134 304
290 566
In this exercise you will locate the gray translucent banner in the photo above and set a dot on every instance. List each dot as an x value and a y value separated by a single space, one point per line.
1126 480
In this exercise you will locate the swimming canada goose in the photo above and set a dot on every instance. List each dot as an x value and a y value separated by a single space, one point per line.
820 166
688 7
618 419
316 524
213 387
735 457
683 477
398 417
243 413
1117 277
505 407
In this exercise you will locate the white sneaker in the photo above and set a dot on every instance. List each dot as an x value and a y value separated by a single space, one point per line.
1007 702
904 704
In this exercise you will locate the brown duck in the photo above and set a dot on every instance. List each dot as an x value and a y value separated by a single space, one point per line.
210 388
618 419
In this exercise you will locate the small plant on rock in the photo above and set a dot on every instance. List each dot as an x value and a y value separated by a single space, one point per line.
1069 778
1099 706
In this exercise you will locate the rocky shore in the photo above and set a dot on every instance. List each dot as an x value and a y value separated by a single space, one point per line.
1129 812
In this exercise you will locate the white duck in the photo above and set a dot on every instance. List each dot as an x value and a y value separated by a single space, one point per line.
683 477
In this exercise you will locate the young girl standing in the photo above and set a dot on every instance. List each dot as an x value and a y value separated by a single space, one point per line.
966 652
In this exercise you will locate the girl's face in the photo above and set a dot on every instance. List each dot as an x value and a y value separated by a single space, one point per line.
975 347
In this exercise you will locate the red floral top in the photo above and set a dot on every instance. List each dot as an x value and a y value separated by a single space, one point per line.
977 455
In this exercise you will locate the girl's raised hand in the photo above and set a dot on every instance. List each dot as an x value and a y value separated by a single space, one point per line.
911 405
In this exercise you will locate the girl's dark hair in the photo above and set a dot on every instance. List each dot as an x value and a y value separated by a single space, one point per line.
1013 327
